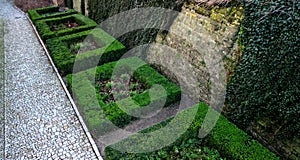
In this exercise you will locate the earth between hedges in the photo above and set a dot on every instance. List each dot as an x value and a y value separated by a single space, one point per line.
107 88
26 5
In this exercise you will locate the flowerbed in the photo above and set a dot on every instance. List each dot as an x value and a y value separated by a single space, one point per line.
49 12
84 47
60 26
94 112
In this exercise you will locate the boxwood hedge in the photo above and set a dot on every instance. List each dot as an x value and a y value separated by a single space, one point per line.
44 26
229 140
48 12
95 111
111 50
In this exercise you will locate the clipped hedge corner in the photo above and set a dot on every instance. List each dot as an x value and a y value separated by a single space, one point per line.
95 111
110 50
49 12
45 31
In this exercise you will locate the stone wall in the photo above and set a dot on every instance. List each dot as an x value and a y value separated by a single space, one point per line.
216 28
77 5
59 2
100 10
217 25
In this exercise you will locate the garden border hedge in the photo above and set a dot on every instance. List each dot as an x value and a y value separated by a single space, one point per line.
35 14
93 113
227 138
64 60
45 32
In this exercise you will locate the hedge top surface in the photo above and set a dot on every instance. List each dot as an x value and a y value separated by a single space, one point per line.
97 34
143 73
91 103
110 50
43 26
229 140
49 12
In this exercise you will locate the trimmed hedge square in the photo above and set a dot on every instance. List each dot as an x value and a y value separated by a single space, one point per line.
227 138
84 89
55 27
61 52
49 12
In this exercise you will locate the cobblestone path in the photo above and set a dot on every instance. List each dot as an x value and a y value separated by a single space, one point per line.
36 118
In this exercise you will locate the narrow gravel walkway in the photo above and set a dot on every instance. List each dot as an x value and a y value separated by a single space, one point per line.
40 122
1 89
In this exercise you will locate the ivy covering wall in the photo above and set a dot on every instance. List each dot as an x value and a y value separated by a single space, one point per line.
266 86
100 10
68 3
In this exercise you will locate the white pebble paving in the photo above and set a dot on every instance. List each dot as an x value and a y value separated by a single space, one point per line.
40 122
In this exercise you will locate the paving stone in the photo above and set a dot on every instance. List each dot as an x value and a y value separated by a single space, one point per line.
2 82
38 112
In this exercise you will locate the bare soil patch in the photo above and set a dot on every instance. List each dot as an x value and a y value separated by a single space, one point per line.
107 92
26 5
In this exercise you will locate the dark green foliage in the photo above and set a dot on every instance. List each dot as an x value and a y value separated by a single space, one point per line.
188 149
69 3
48 12
229 140
100 10
236 144
111 50
43 26
266 86
82 8
95 115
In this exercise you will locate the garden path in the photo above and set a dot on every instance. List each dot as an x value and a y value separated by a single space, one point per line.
37 120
